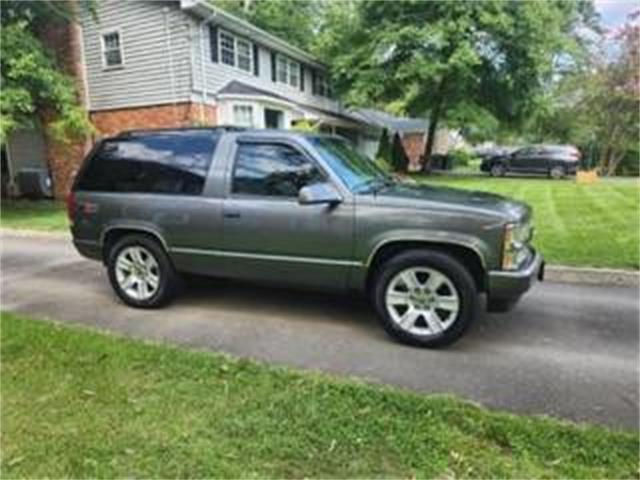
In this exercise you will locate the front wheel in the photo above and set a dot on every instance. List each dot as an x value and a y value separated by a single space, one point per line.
425 298
498 170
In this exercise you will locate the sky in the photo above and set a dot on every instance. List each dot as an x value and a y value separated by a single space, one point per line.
614 12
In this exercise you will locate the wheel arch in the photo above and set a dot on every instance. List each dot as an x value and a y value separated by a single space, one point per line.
114 233
469 256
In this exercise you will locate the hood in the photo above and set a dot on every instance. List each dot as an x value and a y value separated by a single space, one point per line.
423 196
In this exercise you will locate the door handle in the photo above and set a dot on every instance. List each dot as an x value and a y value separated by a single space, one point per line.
231 214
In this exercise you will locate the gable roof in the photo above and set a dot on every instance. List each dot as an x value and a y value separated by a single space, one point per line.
206 11
390 122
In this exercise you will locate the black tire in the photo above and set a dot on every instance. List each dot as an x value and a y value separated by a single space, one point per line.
558 172
443 263
497 170
169 280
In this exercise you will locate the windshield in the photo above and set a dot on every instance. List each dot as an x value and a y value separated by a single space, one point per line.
357 171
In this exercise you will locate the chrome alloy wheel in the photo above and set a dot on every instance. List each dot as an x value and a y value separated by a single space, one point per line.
137 272
422 301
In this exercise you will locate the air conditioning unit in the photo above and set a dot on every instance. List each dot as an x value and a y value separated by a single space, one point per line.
34 183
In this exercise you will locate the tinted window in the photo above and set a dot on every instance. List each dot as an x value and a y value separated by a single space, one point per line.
170 163
356 170
273 170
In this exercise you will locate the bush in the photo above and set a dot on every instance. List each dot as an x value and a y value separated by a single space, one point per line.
399 159
384 147
461 158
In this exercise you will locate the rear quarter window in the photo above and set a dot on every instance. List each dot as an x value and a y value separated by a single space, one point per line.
168 163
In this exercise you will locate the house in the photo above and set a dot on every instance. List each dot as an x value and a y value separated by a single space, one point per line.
148 64
412 131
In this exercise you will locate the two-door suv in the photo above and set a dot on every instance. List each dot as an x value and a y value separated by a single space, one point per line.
301 209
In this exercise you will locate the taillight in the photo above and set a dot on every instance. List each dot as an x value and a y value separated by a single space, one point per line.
71 206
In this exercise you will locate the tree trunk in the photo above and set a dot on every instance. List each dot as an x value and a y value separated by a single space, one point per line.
434 118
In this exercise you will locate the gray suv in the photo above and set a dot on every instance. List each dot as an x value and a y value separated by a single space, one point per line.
300 209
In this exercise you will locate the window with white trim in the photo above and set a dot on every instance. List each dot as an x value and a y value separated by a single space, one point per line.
243 115
112 49
287 71
235 51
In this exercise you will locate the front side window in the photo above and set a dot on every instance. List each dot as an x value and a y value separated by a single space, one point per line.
288 71
169 163
354 169
112 49
272 170
243 115
236 51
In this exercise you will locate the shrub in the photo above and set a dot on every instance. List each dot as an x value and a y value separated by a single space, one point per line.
399 159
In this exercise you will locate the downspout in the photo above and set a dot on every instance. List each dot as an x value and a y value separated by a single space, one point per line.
202 65
167 36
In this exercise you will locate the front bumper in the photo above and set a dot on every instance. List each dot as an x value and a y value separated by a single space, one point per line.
509 286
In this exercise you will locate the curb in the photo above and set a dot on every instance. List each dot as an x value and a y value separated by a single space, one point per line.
552 273
592 276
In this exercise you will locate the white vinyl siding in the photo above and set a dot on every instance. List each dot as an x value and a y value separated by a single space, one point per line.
235 51
156 55
219 74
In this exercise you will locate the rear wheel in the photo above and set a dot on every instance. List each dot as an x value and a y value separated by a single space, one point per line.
558 172
425 298
140 272
498 170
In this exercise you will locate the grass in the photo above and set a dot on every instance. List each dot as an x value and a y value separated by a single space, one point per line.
43 215
580 225
77 403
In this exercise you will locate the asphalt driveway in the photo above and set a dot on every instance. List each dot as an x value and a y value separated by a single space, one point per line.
566 351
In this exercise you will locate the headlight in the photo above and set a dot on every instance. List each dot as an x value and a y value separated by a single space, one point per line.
514 249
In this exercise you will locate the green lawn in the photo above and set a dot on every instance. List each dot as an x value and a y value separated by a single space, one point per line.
583 225
77 403
44 215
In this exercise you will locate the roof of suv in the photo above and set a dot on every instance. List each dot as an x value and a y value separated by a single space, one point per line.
222 128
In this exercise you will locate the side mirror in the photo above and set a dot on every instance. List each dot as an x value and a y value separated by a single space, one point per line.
318 194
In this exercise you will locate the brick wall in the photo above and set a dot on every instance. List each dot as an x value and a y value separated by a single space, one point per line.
111 122
413 144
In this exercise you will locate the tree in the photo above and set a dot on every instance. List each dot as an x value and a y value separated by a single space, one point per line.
452 61
599 106
399 159
291 20
32 82
384 147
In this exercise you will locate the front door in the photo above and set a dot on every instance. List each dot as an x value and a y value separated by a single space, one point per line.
526 160
273 118
268 235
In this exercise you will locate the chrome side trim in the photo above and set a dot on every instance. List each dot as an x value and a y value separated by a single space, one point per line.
261 256
459 243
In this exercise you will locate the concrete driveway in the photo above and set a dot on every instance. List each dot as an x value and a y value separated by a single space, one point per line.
566 351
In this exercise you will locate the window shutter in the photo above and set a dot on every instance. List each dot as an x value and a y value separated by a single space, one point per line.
213 42
302 77
256 60
273 66
314 82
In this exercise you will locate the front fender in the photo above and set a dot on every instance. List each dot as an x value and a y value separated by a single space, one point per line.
486 254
